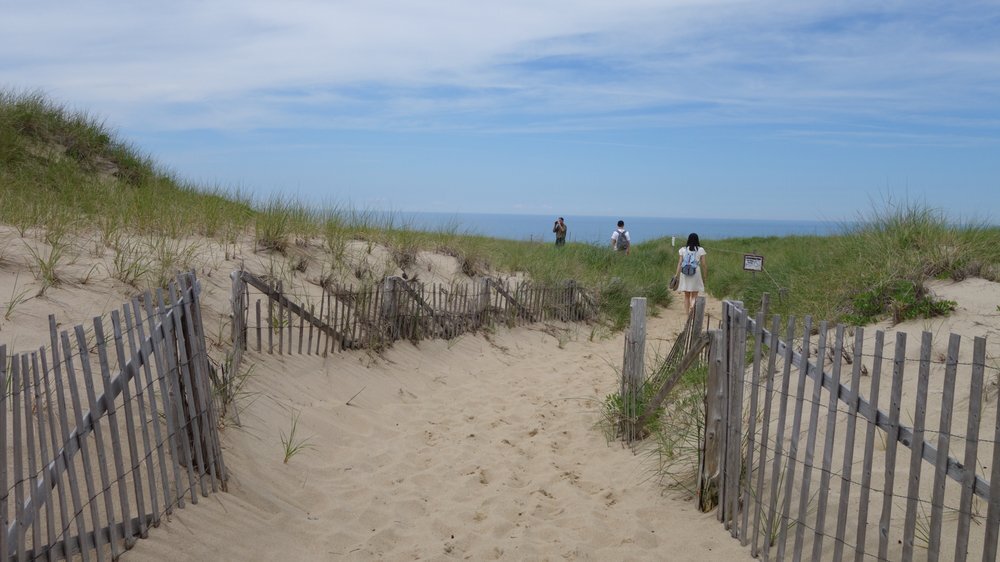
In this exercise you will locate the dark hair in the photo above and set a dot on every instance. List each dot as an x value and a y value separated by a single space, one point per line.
621 223
693 242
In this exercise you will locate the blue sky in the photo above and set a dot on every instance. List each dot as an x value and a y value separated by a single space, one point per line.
756 109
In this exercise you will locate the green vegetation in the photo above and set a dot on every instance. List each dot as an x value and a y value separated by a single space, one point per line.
292 444
877 268
67 172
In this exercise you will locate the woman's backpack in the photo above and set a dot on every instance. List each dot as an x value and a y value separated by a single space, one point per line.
689 265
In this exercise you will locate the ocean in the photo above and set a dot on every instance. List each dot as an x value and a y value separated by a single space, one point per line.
597 230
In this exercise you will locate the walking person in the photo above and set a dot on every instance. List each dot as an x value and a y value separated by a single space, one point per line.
560 229
691 270
620 239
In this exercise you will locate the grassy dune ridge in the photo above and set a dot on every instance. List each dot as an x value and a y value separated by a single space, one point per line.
63 172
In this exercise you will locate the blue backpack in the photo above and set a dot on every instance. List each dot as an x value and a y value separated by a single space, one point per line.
689 265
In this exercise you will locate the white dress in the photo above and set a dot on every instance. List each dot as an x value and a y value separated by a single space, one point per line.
691 283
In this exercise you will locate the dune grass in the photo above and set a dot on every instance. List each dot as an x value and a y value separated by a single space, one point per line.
66 171
874 269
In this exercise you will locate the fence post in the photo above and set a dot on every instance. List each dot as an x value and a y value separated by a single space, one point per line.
715 400
239 336
388 308
632 369
483 304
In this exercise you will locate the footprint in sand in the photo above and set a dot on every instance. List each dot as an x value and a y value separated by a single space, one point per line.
571 476
516 482
545 493
610 499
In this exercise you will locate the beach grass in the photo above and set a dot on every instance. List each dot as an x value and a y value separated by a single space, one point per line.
67 171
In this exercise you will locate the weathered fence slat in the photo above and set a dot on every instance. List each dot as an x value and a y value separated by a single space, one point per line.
831 427
892 444
916 446
290 325
943 446
35 515
810 456
772 361
633 368
734 467
993 511
848 465
40 374
60 463
726 380
793 447
748 466
302 320
4 490
270 326
774 519
5 383
309 348
279 326
15 396
866 467
708 474
971 448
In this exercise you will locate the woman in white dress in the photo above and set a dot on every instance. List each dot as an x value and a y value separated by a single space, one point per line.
691 270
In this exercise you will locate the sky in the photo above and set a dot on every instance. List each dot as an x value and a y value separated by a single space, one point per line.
714 109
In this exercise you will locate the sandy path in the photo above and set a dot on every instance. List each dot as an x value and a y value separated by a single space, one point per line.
474 449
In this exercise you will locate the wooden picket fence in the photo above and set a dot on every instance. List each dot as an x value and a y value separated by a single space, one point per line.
794 480
96 454
269 320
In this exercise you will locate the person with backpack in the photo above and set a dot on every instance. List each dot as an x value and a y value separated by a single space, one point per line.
691 270
620 239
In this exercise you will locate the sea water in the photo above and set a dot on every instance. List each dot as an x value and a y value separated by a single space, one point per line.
597 230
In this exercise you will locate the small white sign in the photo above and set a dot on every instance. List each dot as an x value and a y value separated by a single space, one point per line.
753 263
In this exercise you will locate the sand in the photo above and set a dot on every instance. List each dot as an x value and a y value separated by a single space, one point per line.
488 446
481 449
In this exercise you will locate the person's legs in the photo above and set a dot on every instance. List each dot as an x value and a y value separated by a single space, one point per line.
689 298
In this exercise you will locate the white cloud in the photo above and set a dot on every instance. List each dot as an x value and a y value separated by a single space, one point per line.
504 65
